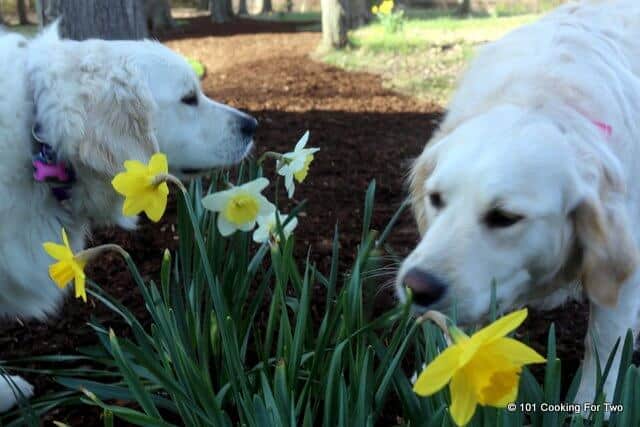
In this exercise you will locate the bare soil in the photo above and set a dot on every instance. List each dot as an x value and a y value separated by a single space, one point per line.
364 131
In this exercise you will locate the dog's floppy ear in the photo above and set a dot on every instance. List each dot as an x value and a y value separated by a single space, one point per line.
609 253
92 103
422 167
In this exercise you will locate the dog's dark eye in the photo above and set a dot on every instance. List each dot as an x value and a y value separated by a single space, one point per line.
498 218
436 200
191 99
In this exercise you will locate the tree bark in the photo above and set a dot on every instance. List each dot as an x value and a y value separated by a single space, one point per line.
465 8
105 19
158 13
23 15
242 7
39 13
266 7
334 23
221 11
358 13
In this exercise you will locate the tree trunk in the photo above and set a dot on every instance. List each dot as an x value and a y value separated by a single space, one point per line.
23 15
242 8
158 13
266 7
220 11
465 8
334 23
105 19
39 13
358 13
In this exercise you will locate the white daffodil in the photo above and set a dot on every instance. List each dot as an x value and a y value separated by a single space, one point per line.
296 164
239 207
267 227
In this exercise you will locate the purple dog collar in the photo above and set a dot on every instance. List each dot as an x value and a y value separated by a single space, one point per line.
47 168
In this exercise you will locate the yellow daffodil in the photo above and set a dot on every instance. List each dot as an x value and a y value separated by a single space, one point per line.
386 7
482 369
69 267
374 10
141 187
240 207
267 227
296 164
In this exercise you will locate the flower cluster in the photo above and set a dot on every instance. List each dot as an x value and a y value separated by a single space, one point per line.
385 8
239 208
391 21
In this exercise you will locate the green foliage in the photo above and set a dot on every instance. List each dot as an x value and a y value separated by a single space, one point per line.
235 338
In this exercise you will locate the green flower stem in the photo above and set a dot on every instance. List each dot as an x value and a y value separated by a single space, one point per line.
441 322
89 254
270 155
167 177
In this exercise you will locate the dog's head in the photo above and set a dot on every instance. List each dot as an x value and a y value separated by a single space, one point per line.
100 103
195 132
505 198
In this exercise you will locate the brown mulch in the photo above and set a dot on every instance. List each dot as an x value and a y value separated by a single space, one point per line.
364 131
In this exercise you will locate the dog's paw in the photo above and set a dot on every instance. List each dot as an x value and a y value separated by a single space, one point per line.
128 222
12 389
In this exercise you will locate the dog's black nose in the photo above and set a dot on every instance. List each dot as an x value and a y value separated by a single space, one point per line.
248 126
426 287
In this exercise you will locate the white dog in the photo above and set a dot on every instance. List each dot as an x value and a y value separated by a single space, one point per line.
74 112
532 182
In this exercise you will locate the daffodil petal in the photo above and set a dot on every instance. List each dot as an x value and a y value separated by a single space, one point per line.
79 285
266 207
516 352
257 185
129 184
302 142
135 166
438 373
56 251
289 185
156 207
65 239
500 327
217 201
162 189
247 226
225 227
261 235
291 225
134 205
158 164
463 400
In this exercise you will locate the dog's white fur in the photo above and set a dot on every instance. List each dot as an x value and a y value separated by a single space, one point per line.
521 135
98 104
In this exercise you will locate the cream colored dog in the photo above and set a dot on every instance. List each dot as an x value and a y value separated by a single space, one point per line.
92 105
532 182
